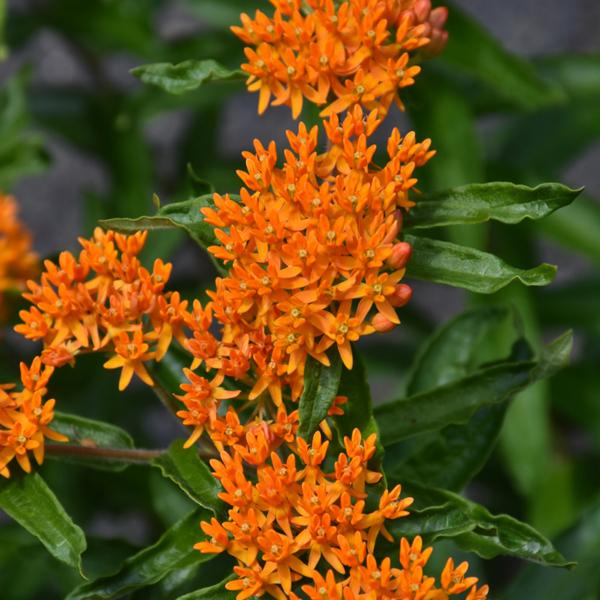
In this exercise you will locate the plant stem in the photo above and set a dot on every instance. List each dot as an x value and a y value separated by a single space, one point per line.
134 456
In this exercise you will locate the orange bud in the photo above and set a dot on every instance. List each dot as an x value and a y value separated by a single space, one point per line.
395 228
422 8
401 253
402 295
382 324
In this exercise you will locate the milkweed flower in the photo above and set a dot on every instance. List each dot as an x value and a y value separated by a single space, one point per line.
338 54
296 524
311 251
25 417
105 300
18 262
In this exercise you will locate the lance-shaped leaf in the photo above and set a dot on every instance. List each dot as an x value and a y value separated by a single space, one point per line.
473 270
475 52
174 550
186 76
581 543
480 202
449 458
321 385
358 411
184 215
456 402
440 514
452 351
88 433
32 504
184 467
214 592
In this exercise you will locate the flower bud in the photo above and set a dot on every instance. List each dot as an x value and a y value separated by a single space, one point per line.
382 324
422 8
401 253
394 228
401 296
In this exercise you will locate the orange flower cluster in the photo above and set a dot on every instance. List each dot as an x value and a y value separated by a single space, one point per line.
358 51
17 261
104 300
294 521
25 416
312 254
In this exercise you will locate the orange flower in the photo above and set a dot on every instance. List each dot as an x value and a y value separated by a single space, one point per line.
25 418
291 528
358 51
17 260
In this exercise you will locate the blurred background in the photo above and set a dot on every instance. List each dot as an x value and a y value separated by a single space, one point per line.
82 139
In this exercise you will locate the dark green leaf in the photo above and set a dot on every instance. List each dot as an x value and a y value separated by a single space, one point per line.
30 502
358 411
451 353
451 457
92 434
321 385
183 215
186 76
476 53
184 467
3 49
214 592
480 202
459 266
456 402
174 550
581 543
440 514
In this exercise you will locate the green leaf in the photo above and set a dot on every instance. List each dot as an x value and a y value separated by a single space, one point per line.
178 215
582 543
321 385
451 352
358 411
214 592
186 76
472 50
456 402
89 433
459 266
451 457
184 467
30 502
438 514
174 550
480 202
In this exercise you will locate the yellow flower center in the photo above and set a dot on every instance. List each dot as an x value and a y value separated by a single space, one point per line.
343 329
21 439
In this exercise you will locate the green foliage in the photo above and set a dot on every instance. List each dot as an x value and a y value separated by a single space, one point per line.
32 504
472 381
21 152
473 270
477 203
174 550
186 76
185 468
320 388
440 514
87 433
